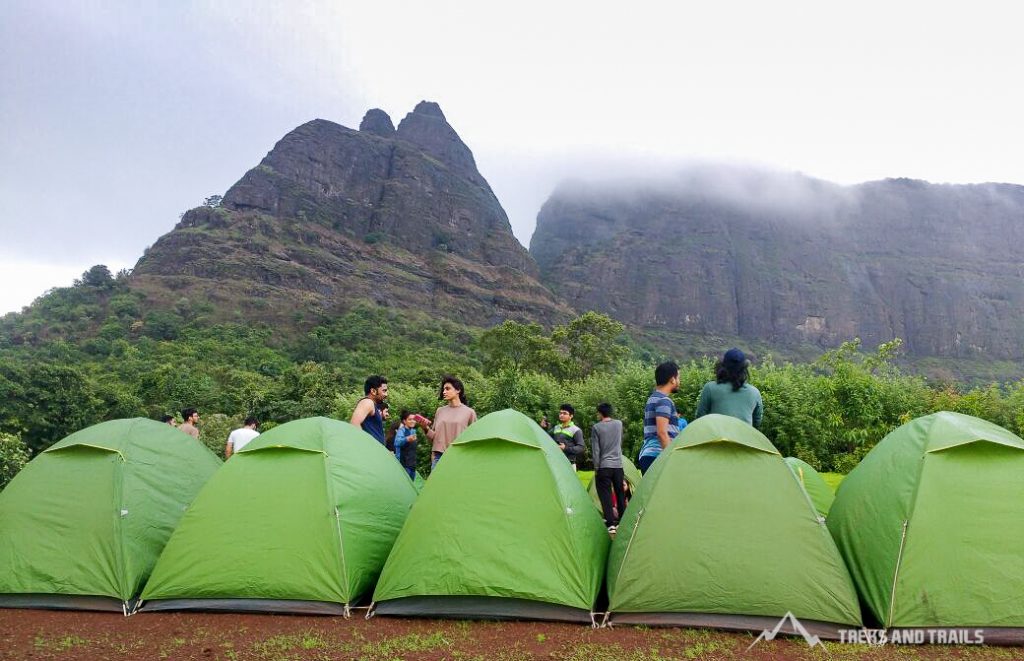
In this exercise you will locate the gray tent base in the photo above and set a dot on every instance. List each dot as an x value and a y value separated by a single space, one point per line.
752 623
286 606
481 608
63 602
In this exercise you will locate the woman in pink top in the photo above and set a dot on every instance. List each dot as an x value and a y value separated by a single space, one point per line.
451 419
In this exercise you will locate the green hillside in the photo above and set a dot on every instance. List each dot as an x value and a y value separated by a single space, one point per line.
99 350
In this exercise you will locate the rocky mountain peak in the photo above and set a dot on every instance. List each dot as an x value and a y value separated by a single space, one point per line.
427 128
331 216
377 122
429 108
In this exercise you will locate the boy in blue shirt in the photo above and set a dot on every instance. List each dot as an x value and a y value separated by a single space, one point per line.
405 443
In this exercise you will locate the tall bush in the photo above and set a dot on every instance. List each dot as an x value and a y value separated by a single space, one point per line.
14 455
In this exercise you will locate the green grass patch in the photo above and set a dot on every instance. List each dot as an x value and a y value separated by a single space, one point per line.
832 480
389 648
277 647
61 644
613 652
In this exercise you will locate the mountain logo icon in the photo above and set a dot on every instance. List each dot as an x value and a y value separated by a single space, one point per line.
769 634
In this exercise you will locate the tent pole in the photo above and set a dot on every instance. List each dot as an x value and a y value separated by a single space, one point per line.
896 574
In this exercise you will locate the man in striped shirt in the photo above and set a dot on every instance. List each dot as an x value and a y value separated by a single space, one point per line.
661 420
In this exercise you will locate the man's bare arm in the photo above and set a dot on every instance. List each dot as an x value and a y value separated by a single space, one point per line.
363 409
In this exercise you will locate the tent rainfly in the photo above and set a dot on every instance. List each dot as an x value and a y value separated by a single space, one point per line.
719 534
300 520
931 528
82 525
502 529
819 492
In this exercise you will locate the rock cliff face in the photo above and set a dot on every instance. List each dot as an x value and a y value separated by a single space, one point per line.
784 259
332 215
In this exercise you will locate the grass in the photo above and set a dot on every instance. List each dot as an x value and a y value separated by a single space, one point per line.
275 646
612 652
411 643
61 644
832 479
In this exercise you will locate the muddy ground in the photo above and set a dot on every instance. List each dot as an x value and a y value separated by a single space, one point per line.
38 634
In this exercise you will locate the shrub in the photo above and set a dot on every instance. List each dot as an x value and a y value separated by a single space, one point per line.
214 429
13 457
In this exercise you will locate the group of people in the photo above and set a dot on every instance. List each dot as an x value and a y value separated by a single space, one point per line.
450 419
237 439
728 394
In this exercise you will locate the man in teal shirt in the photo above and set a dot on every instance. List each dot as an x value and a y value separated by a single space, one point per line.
730 394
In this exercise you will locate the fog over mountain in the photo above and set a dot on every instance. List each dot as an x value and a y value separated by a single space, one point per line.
783 258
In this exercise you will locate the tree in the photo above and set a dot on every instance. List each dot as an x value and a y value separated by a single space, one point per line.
517 346
98 276
45 402
213 201
592 342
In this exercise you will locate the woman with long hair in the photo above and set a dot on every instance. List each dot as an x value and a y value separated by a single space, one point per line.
451 418
729 393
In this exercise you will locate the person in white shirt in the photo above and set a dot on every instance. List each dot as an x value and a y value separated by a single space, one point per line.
239 438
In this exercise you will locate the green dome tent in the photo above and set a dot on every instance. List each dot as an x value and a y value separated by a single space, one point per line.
82 524
719 534
931 525
503 528
820 492
300 520
632 478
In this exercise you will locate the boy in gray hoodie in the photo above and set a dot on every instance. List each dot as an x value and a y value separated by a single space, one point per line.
606 449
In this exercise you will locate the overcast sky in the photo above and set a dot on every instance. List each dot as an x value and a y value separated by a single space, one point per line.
117 116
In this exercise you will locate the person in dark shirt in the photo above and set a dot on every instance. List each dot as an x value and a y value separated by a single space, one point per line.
368 414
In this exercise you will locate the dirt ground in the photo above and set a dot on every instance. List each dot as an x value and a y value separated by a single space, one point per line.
37 634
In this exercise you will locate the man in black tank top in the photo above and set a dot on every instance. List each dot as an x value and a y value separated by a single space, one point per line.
368 410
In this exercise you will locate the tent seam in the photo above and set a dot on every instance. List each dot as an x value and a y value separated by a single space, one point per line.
896 574
977 440
629 545
86 445
566 506
495 438
803 490
118 525
906 525
328 488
